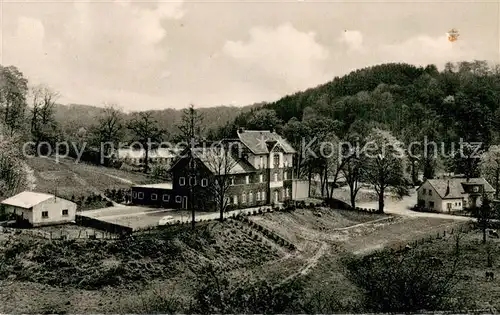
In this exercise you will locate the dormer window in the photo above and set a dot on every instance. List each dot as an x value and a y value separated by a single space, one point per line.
475 189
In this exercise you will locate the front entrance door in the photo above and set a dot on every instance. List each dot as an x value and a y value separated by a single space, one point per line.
184 202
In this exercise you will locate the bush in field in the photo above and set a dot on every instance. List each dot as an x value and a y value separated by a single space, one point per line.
404 282
216 294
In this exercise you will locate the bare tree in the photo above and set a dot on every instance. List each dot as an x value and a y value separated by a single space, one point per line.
43 124
191 128
221 163
146 132
191 125
109 128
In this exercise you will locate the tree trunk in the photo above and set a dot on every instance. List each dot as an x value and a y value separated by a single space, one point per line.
146 160
414 175
484 233
353 198
497 178
381 202
221 209
309 187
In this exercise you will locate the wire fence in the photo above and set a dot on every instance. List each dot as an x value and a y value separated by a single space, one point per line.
63 234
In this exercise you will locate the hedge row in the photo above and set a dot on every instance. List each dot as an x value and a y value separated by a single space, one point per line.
269 234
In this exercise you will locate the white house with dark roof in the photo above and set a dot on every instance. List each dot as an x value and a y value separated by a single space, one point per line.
452 194
40 208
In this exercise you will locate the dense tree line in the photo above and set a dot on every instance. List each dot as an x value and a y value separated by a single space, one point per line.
414 104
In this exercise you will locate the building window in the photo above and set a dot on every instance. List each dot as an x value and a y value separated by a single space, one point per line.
154 196
282 194
45 214
140 195
243 198
276 159
204 182
431 204
275 177
250 197
285 176
232 181
261 165
476 189
247 179
182 181
288 192
258 196
65 212
192 181
235 199
430 192
263 196
261 178
425 190
178 199
166 197
134 194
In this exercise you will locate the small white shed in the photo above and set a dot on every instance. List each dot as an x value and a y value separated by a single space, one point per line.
40 209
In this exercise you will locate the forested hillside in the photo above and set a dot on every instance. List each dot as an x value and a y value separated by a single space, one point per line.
72 117
463 100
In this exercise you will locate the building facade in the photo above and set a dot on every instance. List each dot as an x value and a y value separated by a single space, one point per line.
39 209
257 170
452 194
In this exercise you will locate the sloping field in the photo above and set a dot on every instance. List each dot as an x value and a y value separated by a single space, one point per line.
35 272
69 178
305 224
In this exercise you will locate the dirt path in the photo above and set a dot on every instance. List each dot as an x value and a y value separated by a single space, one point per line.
402 207
30 177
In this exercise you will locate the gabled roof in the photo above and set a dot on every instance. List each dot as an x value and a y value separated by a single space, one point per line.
262 141
456 186
220 163
26 199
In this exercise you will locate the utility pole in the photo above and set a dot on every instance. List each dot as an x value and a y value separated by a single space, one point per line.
191 160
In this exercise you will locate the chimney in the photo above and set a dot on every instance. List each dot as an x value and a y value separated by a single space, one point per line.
447 189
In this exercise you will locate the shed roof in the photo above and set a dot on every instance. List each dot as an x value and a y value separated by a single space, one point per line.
27 199
156 186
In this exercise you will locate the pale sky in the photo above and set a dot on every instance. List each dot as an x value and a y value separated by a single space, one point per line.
159 54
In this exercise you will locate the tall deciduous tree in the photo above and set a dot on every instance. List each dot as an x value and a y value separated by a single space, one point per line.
385 165
43 124
467 160
490 167
109 130
191 130
146 132
191 126
13 93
